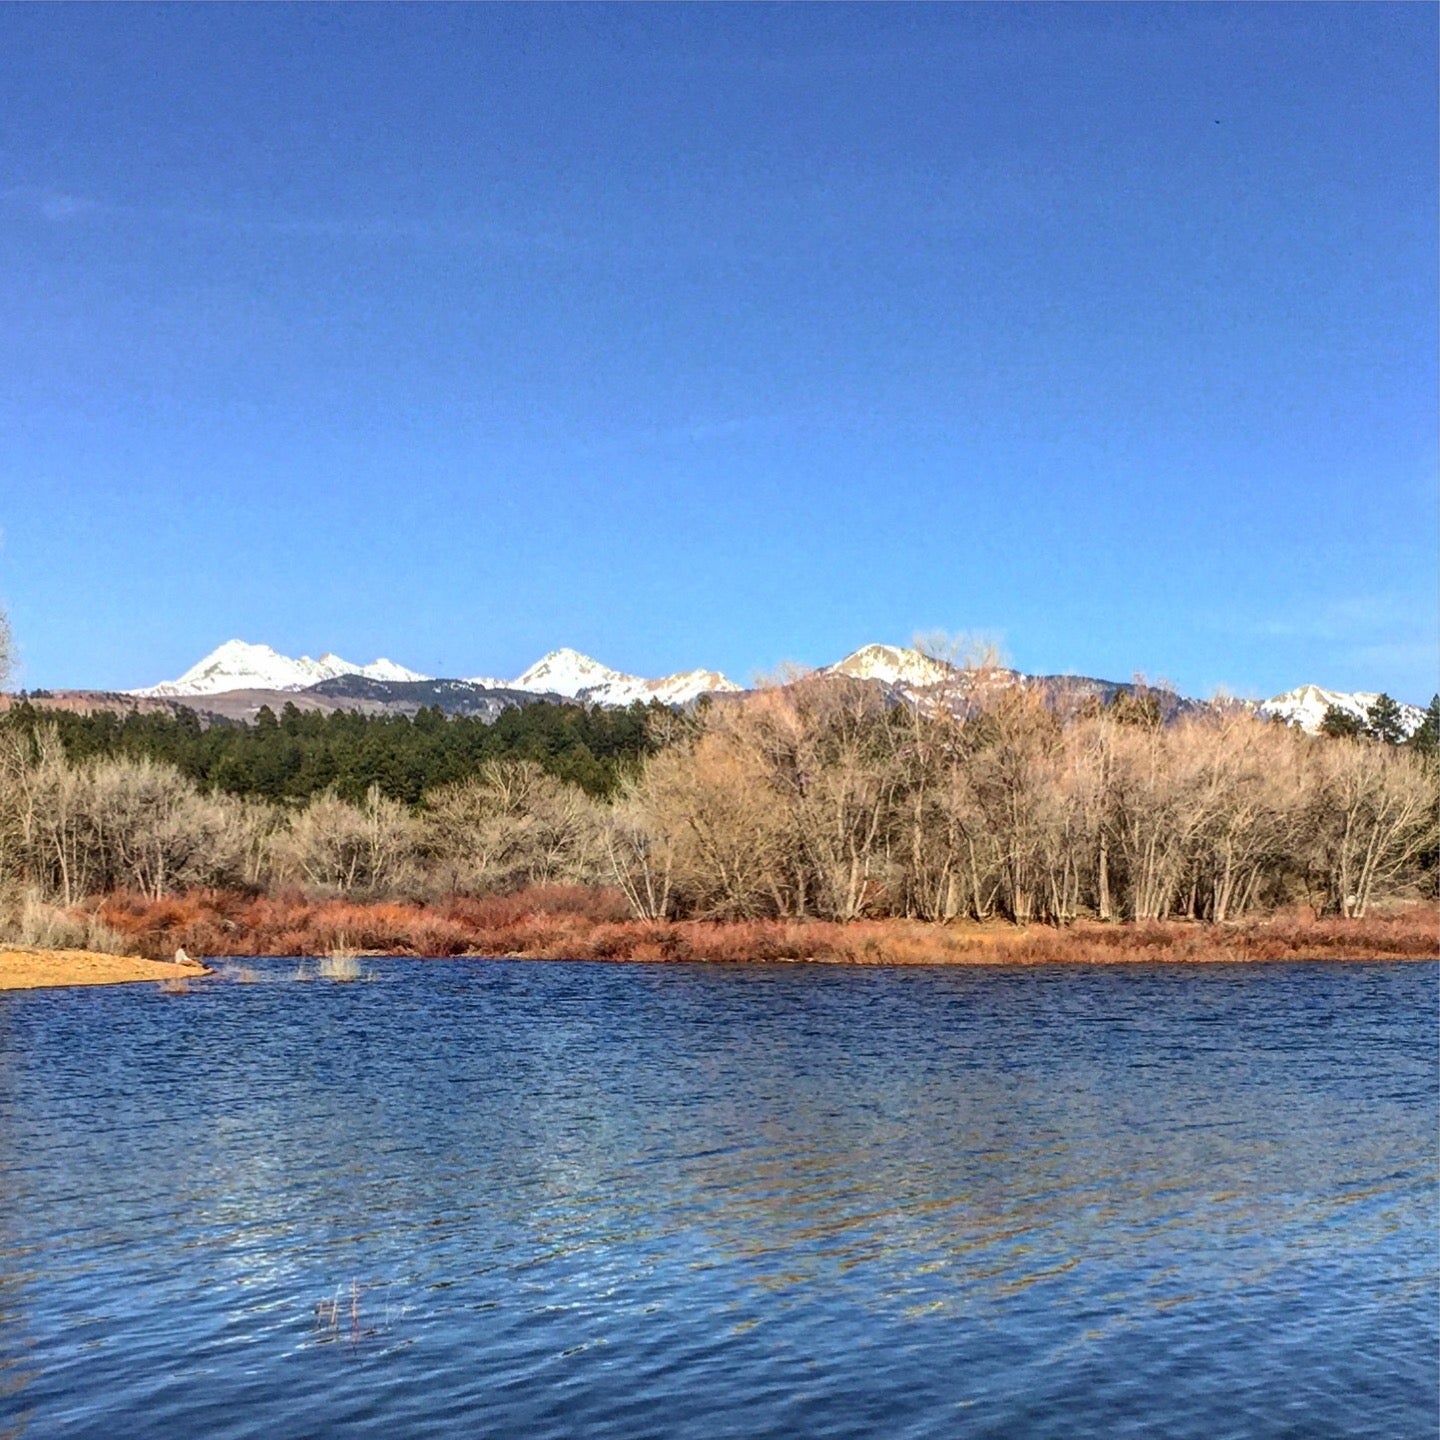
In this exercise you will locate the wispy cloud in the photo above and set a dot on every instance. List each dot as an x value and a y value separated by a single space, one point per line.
1385 633
1344 619
61 207
57 206
682 434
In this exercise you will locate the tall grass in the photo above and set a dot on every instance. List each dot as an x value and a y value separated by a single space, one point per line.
339 965
32 923
559 922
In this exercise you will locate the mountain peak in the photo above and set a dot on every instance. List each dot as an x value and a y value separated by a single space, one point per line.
893 665
567 672
1306 705
240 665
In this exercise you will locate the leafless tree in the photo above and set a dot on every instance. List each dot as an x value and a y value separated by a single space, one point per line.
512 824
336 846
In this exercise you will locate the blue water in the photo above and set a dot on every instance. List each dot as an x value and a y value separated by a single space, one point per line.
505 1199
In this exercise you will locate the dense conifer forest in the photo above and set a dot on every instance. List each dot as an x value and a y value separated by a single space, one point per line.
301 753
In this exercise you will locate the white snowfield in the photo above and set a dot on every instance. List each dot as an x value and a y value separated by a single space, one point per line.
895 665
1306 705
237 665
568 672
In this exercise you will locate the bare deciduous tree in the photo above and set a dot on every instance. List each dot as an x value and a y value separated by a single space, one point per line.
512 824
336 846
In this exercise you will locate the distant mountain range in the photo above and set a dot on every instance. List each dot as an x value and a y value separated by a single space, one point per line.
239 665
236 678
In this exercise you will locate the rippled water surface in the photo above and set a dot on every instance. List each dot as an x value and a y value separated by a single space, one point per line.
500 1199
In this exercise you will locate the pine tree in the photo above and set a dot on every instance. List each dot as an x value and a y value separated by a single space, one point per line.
1383 721
1340 724
1426 740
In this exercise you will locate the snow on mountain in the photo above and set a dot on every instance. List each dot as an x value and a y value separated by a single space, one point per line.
237 665
1306 705
892 665
383 669
567 672
689 685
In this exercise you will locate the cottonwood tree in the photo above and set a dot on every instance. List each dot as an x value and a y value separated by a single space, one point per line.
155 833
1014 772
709 807
834 760
512 824
1372 813
641 856
333 845
109 824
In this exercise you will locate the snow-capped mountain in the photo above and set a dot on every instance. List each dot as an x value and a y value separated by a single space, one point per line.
1306 705
688 685
238 665
568 672
893 665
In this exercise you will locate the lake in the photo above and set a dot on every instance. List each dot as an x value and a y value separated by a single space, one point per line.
534 1199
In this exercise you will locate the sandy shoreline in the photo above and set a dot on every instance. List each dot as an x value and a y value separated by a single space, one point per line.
39 969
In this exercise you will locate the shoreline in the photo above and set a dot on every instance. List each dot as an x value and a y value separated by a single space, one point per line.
557 925
29 969
63 969
996 961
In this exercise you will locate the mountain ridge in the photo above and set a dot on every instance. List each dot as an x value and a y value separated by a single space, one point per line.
240 665
567 674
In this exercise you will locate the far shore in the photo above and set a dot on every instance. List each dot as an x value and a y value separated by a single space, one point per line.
557 923
23 969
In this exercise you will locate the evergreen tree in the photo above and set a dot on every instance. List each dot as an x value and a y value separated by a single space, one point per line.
300 753
1426 740
1340 724
1383 721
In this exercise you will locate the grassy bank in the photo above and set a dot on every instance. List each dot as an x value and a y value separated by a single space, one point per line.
559 922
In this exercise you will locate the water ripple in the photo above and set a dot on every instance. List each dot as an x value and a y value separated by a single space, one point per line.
554 1200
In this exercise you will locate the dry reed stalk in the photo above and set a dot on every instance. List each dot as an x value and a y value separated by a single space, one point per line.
339 965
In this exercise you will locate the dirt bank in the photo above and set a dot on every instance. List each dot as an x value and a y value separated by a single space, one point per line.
34 969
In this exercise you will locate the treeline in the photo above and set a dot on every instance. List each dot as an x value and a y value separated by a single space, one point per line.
812 800
301 753
819 799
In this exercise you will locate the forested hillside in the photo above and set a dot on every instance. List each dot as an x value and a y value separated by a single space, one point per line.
298 754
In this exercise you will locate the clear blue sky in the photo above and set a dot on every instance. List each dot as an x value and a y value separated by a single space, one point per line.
722 336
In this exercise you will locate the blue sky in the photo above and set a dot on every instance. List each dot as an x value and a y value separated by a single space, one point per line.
722 336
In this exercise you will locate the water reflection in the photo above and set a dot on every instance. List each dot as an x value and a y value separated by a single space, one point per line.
582 1199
